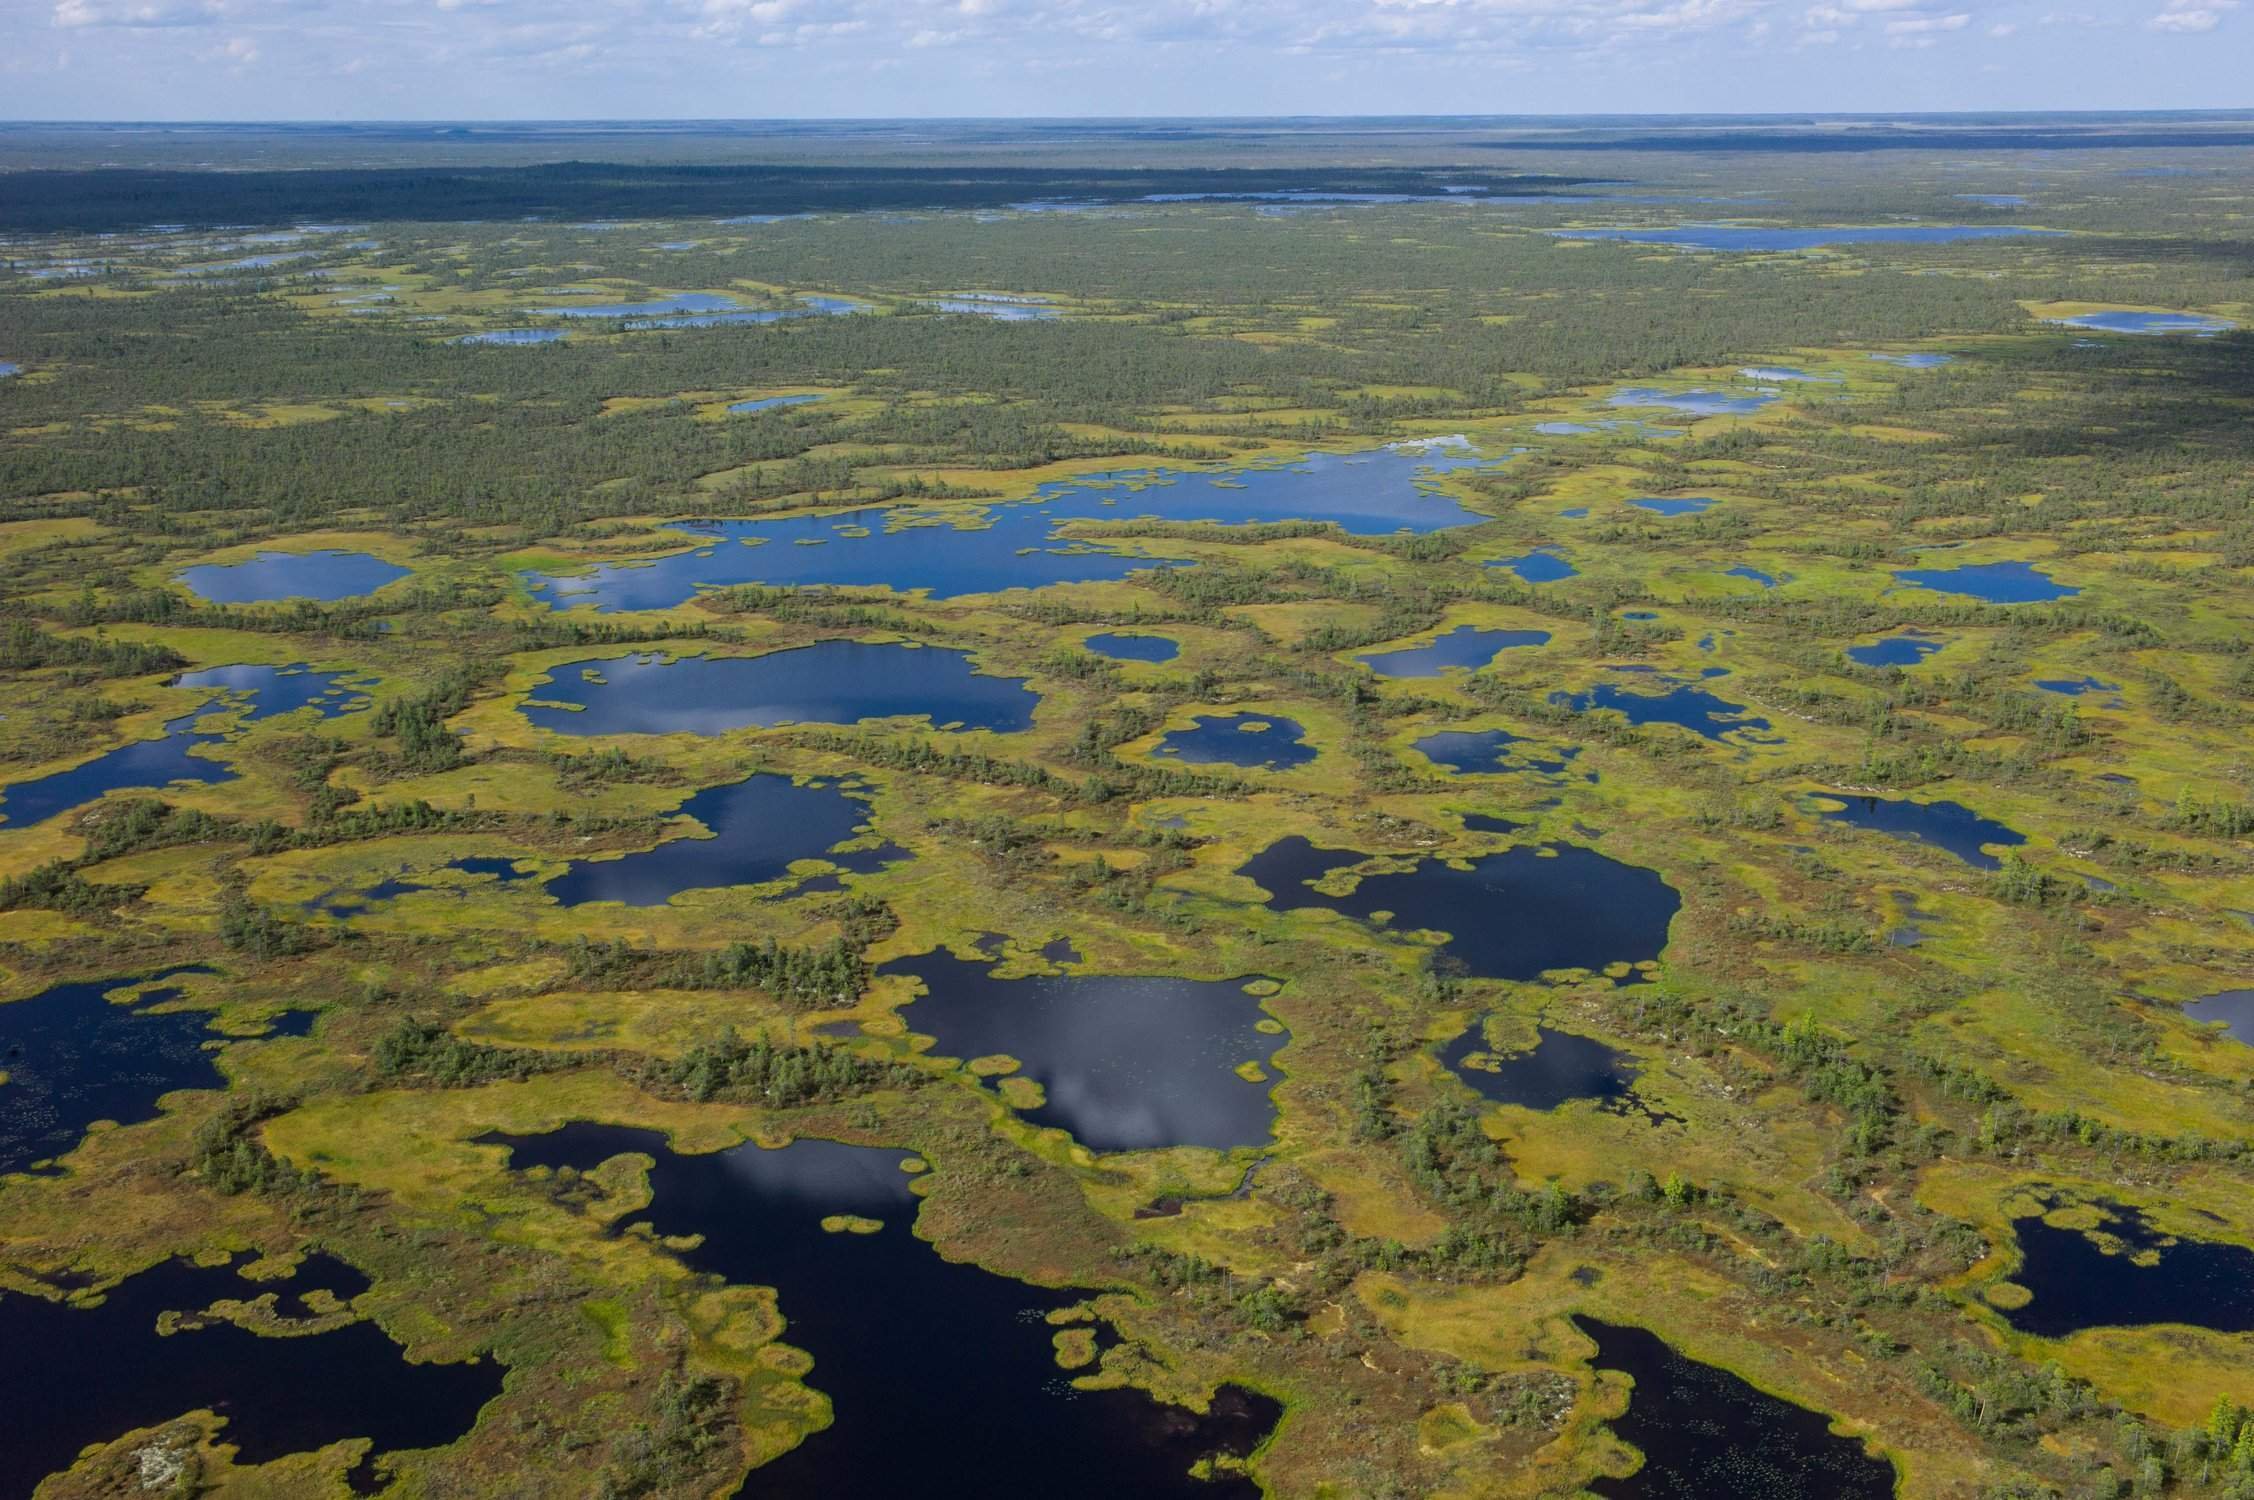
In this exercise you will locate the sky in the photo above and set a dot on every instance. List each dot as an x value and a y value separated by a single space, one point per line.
734 59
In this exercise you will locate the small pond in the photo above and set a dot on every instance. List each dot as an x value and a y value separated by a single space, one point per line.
2149 323
1915 361
1687 505
1786 375
1513 915
2077 1284
104 1371
772 403
2076 687
325 576
1698 401
1995 583
1268 742
1676 702
1467 647
755 829
1491 752
1125 1063
1904 650
1945 825
831 682
509 336
1560 1068
1754 575
1705 1434
1148 648
1003 309
1542 565
977 1381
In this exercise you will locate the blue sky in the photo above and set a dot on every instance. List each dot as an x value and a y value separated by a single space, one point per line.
576 59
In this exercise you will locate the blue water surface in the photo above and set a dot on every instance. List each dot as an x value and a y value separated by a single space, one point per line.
1466 646
830 682
326 576
1734 237
1150 648
255 692
1267 742
1020 545
1996 583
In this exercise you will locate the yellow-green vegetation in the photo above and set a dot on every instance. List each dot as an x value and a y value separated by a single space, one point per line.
1912 886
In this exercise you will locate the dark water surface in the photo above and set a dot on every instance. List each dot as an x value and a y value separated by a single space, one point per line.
1267 742
1150 648
1465 647
925 1360
1904 650
1707 1435
1488 752
1678 702
2233 1008
2077 1285
1945 825
1510 915
257 692
72 1057
1127 1063
1558 1069
830 682
757 828
101 1372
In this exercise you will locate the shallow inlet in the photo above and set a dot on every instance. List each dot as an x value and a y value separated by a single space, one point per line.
1705 1434
325 576
257 692
830 682
977 1381
1126 1063
73 1057
104 1371
952 551
1516 914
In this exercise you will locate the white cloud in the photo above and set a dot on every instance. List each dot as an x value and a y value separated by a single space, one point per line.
2190 17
